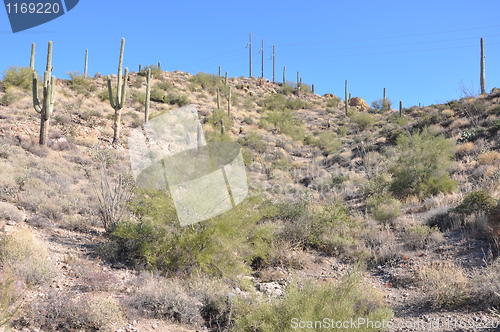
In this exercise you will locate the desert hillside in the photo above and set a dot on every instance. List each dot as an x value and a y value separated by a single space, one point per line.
357 210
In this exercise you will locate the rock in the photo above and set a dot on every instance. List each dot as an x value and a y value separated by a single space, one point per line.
359 102
97 75
329 95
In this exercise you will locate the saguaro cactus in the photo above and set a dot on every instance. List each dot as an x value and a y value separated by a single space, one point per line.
483 76
346 97
400 108
45 109
86 66
229 101
284 75
121 94
32 59
218 99
148 95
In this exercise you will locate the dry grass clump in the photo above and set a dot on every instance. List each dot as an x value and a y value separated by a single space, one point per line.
10 212
158 297
422 236
444 283
26 256
489 158
62 310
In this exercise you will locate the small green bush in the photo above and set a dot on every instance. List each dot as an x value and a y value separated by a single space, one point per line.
155 71
176 98
80 84
287 123
333 102
363 120
223 246
327 141
314 302
208 82
384 208
21 77
476 202
382 105
421 168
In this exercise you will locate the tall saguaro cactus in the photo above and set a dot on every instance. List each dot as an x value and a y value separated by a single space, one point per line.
45 108
482 78
121 94
346 97
229 101
32 59
148 95
86 66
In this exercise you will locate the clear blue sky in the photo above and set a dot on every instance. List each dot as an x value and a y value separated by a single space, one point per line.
419 50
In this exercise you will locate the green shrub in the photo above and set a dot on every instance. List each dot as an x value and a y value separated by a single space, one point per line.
363 120
421 168
327 141
208 82
80 84
176 98
275 102
382 105
333 102
476 202
223 246
384 208
157 95
21 77
328 229
287 123
287 89
314 301
254 141
155 71
296 104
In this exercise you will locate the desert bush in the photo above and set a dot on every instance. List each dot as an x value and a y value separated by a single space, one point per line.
421 168
112 192
176 98
208 82
421 236
62 310
10 212
476 202
21 77
382 104
275 102
161 298
444 283
384 208
26 257
155 71
312 301
328 228
363 120
295 104
80 84
333 102
254 141
224 245
327 141
11 291
10 96
287 123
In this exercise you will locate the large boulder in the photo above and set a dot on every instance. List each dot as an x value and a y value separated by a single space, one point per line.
329 95
359 102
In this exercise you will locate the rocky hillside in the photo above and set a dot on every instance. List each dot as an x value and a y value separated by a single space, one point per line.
375 213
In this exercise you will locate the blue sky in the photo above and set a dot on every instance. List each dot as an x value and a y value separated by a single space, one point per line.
421 51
